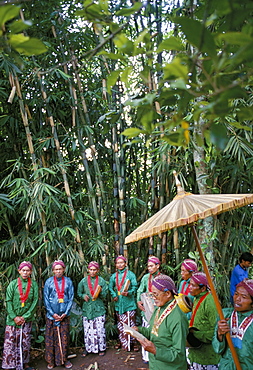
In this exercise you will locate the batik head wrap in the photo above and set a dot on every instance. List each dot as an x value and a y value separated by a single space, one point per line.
164 283
93 264
190 265
58 262
25 263
121 258
154 260
248 285
200 278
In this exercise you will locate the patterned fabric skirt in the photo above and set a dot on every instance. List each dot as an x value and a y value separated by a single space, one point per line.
17 344
56 342
195 366
145 357
94 334
128 318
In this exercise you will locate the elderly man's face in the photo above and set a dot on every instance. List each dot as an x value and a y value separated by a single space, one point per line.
58 271
161 298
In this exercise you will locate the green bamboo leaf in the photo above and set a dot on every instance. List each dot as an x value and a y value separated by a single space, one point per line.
7 13
114 56
26 45
176 69
112 79
129 11
124 44
132 132
235 38
172 43
63 74
219 135
19 26
198 35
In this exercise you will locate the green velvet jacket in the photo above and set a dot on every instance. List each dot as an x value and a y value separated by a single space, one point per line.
13 303
128 303
204 321
92 309
170 342
245 354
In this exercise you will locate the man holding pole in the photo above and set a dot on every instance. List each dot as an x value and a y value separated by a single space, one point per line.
58 299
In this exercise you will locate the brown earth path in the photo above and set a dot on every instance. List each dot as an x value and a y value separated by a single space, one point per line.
113 359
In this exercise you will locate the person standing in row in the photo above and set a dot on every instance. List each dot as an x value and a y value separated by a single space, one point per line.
240 272
21 302
146 287
92 289
122 287
239 323
166 335
202 324
58 300
188 267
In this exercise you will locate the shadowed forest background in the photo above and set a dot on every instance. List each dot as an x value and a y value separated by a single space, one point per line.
99 103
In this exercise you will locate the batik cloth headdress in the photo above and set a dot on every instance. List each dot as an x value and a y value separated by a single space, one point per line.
248 285
93 264
154 260
164 283
25 263
200 278
190 265
58 262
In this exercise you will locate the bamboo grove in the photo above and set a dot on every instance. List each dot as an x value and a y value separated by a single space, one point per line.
93 126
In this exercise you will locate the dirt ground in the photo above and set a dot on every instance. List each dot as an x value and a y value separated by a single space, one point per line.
113 359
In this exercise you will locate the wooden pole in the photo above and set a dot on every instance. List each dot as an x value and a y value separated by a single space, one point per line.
216 299
60 344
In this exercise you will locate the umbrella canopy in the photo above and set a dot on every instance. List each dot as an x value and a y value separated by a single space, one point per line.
187 208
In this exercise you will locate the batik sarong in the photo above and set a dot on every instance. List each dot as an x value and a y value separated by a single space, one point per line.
56 342
129 319
17 344
94 334
195 366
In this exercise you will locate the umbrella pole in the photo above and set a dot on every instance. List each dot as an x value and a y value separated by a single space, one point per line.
215 296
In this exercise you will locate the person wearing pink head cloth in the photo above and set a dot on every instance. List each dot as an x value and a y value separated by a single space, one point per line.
239 322
202 324
122 287
58 300
146 287
92 289
21 302
188 267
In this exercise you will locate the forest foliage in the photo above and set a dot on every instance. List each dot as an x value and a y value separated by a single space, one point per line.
100 102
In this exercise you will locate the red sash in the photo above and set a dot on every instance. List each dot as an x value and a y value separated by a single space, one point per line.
119 285
186 291
150 278
23 297
60 293
196 308
92 290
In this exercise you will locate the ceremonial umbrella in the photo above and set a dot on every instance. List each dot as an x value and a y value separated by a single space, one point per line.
186 209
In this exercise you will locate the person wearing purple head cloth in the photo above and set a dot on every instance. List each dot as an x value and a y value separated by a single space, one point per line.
122 287
239 322
202 324
188 267
58 300
145 290
21 302
166 335
92 289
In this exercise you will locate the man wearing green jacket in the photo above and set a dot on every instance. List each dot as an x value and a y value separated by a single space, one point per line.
21 302
202 324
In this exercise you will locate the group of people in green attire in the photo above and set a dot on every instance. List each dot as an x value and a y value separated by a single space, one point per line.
172 339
